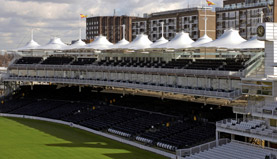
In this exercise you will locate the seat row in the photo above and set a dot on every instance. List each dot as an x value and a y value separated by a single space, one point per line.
119 133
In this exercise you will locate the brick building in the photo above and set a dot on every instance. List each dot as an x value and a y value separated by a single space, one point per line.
243 15
109 26
190 20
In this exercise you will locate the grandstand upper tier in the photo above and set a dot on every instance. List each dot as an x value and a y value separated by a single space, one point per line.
211 75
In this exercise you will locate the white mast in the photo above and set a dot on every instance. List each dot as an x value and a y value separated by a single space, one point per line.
162 23
262 16
205 19
80 33
32 34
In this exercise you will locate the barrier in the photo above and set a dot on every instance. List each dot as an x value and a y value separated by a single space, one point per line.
200 148
214 94
160 152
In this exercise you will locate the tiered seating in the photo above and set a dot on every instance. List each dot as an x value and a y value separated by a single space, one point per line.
54 60
128 119
84 61
157 135
132 63
233 150
11 105
63 111
230 64
36 108
206 64
29 60
188 138
234 64
110 119
139 125
253 124
178 63
86 113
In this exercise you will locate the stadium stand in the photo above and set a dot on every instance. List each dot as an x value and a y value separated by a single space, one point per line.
52 60
231 151
29 60
228 64
150 123
84 61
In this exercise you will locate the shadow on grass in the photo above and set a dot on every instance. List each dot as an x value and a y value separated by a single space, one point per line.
80 138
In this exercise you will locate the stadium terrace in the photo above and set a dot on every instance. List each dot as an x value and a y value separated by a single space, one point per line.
179 98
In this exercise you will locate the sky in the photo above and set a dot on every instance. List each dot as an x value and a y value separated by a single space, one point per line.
61 18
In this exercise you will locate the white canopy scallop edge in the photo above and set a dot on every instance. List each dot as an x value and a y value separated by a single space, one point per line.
140 42
78 44
120 44
100 43
29 46
230 39
202 40
181 40
161 41
54 44
252 43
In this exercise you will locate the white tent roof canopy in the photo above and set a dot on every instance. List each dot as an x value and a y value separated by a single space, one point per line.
54 44
252 43
202 40
181 40
161 41
140 42
30 45
230 39
120 44
78 44
100 43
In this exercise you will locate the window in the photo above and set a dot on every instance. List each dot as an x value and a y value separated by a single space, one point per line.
273 122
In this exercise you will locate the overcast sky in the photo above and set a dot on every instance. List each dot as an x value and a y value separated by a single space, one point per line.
61 17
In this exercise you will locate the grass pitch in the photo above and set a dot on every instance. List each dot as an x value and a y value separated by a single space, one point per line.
30 139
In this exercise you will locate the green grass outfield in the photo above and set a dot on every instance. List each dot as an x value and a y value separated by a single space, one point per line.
31 139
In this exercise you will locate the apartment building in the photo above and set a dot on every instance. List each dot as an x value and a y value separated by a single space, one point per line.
190 20
109 26
243 15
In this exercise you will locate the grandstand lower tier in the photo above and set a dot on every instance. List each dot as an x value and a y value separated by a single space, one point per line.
168 124
237 150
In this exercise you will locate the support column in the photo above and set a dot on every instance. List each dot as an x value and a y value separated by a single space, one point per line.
232 137
217 136
230 84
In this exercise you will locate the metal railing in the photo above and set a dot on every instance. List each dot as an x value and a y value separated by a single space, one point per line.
246 6
255 58
130 69
148 86
241 110
201 148
258 146
223 124
253 66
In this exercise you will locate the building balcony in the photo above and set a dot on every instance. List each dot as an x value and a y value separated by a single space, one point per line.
171 24
249 5
248 128
142 27
266 111
243 24
129 83
242 17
